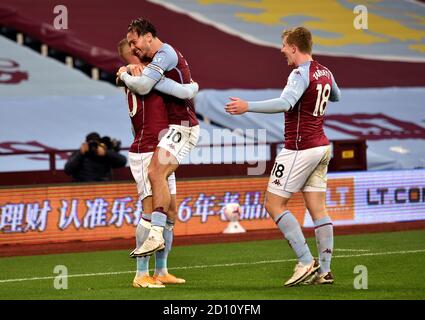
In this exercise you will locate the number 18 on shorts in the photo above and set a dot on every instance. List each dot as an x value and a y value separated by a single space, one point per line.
296 170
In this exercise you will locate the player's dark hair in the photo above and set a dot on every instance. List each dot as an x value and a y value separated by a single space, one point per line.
142 26
300 37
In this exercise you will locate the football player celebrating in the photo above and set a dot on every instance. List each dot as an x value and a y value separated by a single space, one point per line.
149 119
303 162
183 132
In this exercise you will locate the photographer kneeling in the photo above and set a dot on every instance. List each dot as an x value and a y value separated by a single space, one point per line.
95 159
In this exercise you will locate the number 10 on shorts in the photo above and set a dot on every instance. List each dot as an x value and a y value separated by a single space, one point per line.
174 135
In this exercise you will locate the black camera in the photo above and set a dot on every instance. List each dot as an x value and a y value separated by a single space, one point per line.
111 144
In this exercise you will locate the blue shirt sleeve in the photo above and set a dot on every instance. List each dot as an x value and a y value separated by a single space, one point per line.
298 82
164 60
335 92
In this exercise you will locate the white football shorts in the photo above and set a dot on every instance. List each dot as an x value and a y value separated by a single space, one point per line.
180 140
304 170
139 163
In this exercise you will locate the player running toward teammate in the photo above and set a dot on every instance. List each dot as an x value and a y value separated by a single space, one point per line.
303 162
149 119
183 132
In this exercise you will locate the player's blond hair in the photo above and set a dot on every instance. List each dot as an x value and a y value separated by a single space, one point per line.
121 45
300 37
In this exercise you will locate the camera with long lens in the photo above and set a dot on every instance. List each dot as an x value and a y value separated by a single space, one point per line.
106 142
111 144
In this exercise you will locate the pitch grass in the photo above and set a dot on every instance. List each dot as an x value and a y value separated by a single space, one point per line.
230 271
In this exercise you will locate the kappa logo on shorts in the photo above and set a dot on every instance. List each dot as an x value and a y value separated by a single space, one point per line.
277 182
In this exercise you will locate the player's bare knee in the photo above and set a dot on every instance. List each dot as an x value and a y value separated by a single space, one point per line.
274 208
154 174
318 214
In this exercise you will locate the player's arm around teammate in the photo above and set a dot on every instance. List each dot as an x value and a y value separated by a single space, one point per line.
148 116
180 138
135 83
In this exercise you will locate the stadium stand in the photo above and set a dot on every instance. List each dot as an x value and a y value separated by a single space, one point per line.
209 48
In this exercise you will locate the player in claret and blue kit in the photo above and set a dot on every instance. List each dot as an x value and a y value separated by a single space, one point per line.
303 162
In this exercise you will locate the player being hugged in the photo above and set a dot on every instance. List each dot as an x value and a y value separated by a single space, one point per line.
303 162
149 118
183 132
